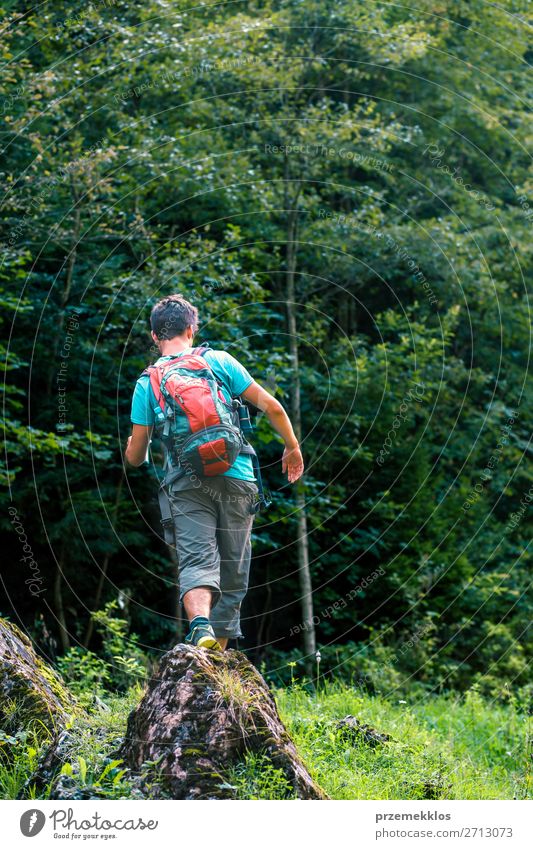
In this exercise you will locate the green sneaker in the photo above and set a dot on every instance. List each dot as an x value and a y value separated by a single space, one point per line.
203 636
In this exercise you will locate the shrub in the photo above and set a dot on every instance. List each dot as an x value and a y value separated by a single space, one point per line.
126 661
84 671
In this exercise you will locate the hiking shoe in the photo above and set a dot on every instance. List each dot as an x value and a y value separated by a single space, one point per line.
203 636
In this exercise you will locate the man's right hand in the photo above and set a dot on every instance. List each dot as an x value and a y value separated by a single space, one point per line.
292 462
137 444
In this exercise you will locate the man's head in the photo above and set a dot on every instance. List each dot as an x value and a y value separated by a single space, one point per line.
173 316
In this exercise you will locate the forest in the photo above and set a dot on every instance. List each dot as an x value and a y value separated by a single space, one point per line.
344 191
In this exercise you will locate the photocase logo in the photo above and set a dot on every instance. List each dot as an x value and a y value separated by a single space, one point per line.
32 822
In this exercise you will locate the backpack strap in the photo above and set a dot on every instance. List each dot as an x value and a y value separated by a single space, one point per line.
167 519
264 499
201 349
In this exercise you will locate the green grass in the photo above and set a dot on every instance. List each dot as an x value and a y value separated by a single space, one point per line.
88 763
446 747
16 766
257 778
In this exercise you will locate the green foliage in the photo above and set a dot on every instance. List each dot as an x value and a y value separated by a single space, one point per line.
84 672
107 783
126 661
120 665
130 173
257 778
441 747
368 665
19 755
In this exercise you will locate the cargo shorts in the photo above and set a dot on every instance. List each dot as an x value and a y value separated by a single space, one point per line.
213 526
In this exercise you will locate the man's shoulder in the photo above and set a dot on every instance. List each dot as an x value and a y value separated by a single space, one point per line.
221 354
229 369
217 355
143 379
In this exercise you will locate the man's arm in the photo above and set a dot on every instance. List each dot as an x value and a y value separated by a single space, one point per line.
137 444
292 460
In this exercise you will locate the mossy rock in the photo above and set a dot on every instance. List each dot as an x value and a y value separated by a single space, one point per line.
32 695
202 712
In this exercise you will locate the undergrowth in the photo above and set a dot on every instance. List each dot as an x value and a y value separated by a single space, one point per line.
453 746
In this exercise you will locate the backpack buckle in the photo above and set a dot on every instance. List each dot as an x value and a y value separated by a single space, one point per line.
263 502
169 416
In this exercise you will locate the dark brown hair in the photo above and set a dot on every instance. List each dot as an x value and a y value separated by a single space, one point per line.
171 316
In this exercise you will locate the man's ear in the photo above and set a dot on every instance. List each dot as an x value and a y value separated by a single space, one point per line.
154 337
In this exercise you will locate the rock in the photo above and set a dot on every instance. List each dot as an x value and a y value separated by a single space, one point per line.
52 758
356 732
64 750
32 694
202 712
435 788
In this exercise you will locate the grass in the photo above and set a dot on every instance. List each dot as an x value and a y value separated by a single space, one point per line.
89 762
446 747
257 778
14 770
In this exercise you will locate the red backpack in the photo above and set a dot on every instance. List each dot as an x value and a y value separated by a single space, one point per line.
198 427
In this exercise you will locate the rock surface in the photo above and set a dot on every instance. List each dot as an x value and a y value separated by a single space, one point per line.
355 731
32 695
202 712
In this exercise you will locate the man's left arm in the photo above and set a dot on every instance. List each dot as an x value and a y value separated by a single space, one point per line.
292 460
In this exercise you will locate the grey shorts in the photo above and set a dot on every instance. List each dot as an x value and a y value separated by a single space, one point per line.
213 527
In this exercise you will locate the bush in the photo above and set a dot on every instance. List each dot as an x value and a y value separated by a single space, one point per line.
127 663
368 666
121 664
84 671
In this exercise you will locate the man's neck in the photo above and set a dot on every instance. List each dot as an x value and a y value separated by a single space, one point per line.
174 346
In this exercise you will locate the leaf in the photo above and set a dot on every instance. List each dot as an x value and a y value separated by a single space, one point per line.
83 769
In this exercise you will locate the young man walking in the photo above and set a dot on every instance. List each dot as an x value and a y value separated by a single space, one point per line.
212 516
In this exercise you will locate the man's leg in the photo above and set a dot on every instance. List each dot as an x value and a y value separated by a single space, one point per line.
194 510
197 602
234 546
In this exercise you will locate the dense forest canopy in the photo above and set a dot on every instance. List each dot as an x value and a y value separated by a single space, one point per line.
375 153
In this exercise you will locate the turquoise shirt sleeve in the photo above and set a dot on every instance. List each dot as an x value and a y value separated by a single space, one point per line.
230 371
142 412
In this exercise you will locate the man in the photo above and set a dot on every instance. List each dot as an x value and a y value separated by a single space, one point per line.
212 516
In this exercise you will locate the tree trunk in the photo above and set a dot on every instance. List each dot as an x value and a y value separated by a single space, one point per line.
304 573
203 712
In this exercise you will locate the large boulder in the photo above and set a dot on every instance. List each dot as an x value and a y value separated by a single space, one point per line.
202 712
32 696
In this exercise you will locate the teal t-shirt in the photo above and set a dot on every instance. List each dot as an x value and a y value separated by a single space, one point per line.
235 380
